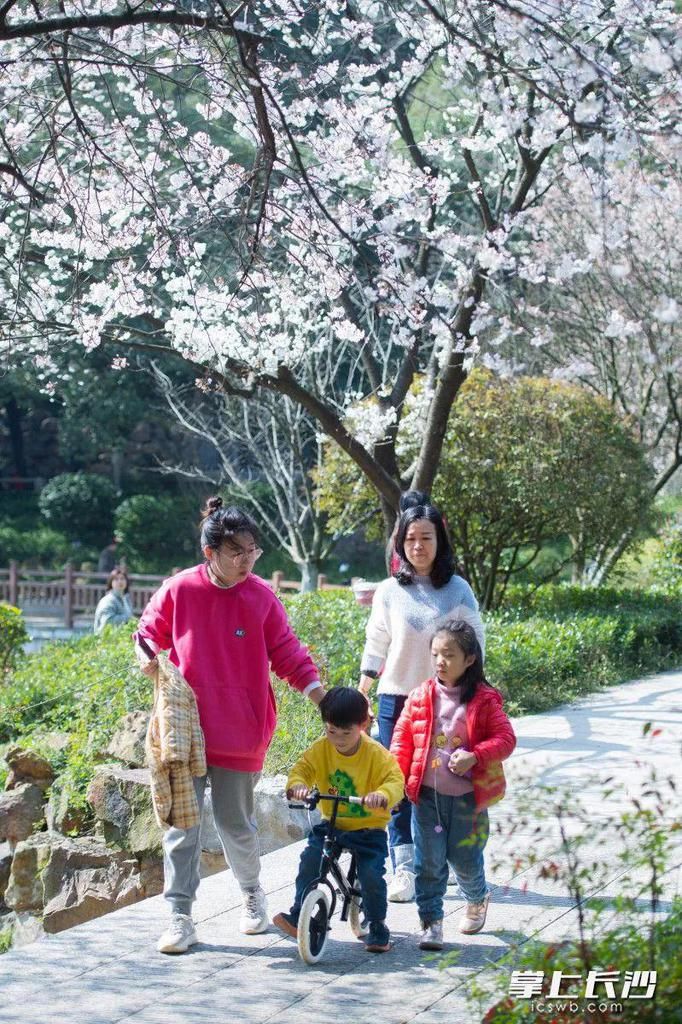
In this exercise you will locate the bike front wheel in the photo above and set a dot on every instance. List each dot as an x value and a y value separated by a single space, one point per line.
313 925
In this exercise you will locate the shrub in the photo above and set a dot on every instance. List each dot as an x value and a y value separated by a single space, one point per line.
332 624
43 546
667 568
157 531
82 687
566 599
13 636
80 505
79 687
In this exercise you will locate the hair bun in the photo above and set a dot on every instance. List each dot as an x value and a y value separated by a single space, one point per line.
212 505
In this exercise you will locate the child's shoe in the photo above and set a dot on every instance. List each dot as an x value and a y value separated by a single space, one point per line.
431 935
378 938
473 918
286 923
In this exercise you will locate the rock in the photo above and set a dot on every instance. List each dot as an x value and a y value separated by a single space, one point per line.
127 743
69 881
27 766
55 741
84 879
5 865
26 928
61 814
25 888
21 809
278 824
212 861
122 802
151 876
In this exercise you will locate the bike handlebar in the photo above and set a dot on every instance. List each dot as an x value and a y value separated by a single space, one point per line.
314 796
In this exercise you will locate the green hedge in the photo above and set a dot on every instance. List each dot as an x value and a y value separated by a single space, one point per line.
13 636
561 644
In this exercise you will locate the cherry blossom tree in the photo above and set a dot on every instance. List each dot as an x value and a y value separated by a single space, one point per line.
607 312
250 187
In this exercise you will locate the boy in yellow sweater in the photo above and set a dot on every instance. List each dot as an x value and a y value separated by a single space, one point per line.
348 762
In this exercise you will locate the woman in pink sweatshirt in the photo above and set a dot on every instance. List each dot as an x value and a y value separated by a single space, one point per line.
225 630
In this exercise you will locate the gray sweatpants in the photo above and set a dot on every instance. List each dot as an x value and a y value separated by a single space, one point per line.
232 795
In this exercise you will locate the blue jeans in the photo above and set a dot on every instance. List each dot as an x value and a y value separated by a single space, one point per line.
370 849
400 825
447 830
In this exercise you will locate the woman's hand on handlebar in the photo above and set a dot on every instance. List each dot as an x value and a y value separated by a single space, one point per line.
375 800
298 793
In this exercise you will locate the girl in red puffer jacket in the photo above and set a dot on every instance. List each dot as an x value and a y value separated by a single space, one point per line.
450 741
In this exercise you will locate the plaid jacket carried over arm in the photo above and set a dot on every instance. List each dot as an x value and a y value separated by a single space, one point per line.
175 748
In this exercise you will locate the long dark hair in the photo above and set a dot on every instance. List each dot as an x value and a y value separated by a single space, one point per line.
444 563
220 523
464 635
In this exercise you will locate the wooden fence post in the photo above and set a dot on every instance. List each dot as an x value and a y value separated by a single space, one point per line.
13 582
68 597
321 581
277 578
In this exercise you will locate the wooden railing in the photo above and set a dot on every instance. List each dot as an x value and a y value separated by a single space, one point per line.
69 592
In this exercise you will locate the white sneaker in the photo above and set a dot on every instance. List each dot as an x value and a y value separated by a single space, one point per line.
431 936
179 935
254 917
401 886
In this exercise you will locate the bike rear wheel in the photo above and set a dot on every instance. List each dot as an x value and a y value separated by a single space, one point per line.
313 925
356 918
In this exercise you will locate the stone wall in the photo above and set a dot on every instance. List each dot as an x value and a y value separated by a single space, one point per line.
50 881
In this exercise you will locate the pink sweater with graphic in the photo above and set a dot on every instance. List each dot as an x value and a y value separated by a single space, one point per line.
224 641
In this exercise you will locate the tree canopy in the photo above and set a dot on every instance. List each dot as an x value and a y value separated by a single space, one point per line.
525 460
249 188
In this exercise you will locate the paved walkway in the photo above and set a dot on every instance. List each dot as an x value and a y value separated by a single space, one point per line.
107 971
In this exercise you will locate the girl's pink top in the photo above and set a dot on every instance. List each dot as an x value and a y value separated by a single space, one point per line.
224 641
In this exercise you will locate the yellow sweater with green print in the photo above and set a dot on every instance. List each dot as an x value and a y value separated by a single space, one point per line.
370 769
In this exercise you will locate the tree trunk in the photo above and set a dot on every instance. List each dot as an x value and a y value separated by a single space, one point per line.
310 572
602 571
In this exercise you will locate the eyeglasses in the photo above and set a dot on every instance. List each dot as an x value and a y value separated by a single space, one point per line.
252 555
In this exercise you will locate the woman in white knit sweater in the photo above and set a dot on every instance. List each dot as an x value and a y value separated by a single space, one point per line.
423 593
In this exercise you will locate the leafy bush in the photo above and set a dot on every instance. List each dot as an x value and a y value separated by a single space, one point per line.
44 546
332 624
80 505
157 531
13 636
82 687
667 566
563 600
78 687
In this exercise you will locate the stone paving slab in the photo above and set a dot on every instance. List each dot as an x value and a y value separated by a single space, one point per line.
108 972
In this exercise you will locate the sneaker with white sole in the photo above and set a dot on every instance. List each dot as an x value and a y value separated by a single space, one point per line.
473 918
254 919
179 935
401 886
431 936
